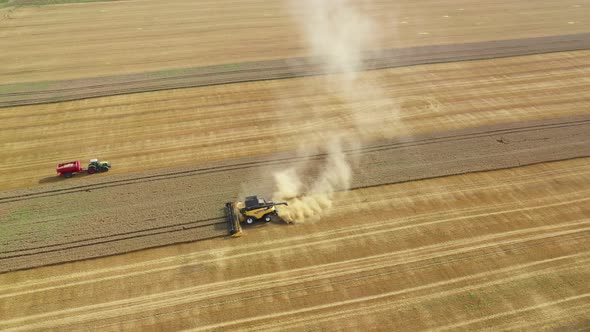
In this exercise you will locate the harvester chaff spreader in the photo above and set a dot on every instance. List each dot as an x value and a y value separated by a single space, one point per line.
250 211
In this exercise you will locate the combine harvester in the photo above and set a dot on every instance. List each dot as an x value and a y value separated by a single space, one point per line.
68 169
250 211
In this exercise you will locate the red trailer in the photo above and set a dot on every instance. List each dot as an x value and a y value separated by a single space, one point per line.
69 168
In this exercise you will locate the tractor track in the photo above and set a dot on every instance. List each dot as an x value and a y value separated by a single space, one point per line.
57 262
282 68
245 165
19 259
107 239
124 86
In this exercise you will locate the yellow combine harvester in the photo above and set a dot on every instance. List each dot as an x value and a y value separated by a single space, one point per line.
251 210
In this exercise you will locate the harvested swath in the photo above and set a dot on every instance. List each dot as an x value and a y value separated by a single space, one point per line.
490 250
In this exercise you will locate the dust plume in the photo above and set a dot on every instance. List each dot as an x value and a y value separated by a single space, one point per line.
337 34
309 202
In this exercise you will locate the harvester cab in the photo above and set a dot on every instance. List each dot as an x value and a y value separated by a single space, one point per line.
250 211
96 166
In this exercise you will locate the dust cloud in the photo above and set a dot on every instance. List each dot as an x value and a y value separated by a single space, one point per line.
337 34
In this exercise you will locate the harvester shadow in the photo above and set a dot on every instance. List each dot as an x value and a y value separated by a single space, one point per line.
220 227
260 224
257 225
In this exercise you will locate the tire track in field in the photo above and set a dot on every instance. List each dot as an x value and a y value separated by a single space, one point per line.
483 276
282 161
283 68
478 281
378 308
256 283
515 312
373 263
113 238
542 323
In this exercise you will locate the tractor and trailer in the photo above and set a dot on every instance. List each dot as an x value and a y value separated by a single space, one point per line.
69 168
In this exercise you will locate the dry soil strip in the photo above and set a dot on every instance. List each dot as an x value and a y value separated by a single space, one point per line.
55 91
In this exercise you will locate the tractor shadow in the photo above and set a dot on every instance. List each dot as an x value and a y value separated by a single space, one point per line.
57 179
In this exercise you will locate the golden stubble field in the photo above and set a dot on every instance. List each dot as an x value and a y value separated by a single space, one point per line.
46 43
494 250
498 250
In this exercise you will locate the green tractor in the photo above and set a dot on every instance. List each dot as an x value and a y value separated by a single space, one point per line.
96 166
